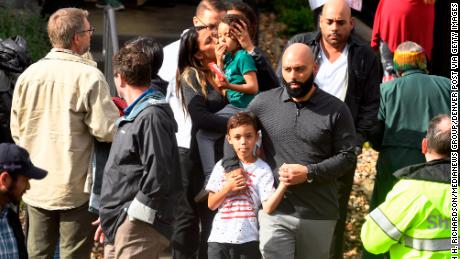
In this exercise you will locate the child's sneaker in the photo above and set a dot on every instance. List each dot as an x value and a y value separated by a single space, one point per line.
201 196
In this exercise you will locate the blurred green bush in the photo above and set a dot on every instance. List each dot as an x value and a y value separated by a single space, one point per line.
30 25
296 14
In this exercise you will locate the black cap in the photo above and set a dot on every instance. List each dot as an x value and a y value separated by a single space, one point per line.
15 160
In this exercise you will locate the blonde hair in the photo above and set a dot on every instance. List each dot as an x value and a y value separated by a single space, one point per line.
63 24
192 72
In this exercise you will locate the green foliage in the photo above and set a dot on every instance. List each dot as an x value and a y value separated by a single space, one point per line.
296 14
30 25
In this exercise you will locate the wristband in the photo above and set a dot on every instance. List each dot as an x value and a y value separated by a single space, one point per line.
308 179
252 52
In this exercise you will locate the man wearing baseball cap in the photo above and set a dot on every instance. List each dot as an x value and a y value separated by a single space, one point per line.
15 171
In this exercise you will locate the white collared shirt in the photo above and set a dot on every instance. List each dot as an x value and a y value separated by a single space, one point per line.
333 77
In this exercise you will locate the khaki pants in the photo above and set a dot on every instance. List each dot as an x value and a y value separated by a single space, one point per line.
136 239
288 237
72 228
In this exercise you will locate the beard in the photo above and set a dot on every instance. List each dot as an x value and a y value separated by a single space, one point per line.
12 195
300 91
84 49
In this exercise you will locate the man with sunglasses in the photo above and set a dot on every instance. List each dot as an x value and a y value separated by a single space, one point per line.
60 104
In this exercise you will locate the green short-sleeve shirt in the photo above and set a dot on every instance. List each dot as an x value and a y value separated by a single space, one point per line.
235 67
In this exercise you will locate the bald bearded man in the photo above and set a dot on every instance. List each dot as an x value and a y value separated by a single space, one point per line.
308 139
349 70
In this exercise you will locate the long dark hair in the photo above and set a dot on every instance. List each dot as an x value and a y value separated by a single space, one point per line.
188 66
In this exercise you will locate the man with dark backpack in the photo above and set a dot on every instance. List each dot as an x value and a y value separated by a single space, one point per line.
14 59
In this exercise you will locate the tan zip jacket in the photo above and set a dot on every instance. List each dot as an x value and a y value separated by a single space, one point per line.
60 104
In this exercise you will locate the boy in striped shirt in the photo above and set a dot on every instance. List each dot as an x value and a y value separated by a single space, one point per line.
238 197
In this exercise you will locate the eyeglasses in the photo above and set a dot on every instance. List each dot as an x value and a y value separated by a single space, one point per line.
211 27
90 30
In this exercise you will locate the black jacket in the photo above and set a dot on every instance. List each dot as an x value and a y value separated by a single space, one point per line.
266 77
142 169
433 171
364 77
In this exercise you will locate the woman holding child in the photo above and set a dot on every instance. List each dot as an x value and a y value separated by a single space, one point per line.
201 98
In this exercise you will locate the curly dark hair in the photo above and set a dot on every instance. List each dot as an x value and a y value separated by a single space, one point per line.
133 66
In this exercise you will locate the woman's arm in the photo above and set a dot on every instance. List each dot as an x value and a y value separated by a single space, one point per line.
197 106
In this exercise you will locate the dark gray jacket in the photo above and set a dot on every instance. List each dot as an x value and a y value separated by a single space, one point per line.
142 174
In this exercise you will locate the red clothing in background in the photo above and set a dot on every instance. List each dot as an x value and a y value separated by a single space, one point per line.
397 21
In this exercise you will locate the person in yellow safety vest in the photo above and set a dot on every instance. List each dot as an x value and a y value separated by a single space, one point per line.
414 220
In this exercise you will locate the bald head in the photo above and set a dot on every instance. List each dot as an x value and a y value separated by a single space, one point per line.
209 13
335 23
337 7
438 135
298 52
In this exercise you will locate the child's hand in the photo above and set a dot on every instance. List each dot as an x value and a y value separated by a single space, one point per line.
221 84
282 186
236 181
292 174
220 52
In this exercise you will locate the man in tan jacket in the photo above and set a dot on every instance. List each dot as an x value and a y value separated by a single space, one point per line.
60 104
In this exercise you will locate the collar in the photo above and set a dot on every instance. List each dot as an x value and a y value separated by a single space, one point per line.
313 100
5 209
128 109
147 98
433 171
321 55
228 57
413 71
68 55
68 51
